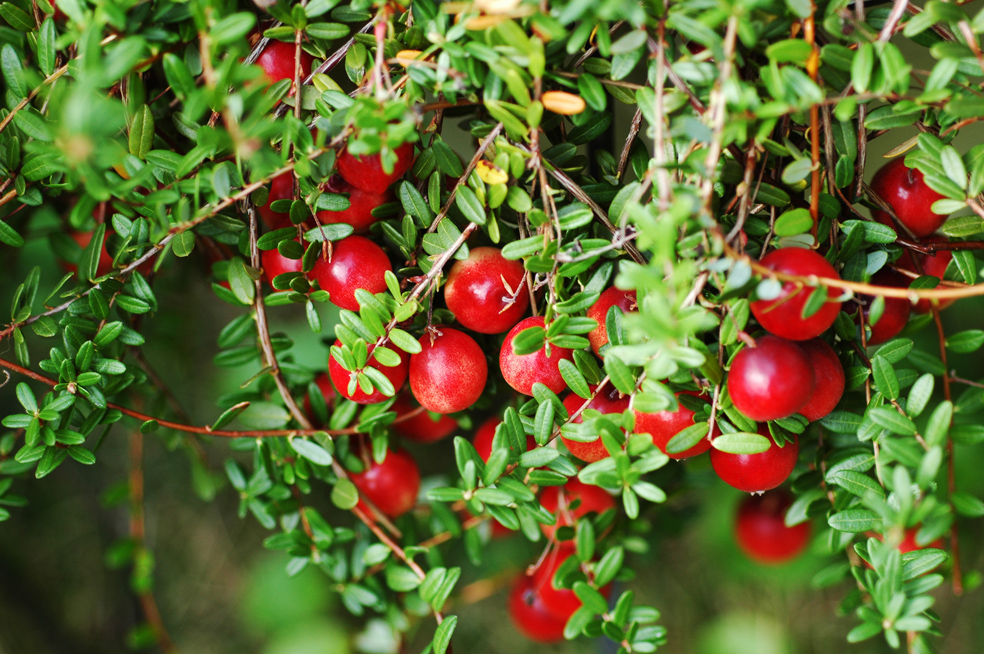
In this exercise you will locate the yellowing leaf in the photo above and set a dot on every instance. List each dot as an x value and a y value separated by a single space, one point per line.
491 174
563 103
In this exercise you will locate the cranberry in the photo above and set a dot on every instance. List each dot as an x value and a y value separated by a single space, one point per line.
275 264
392 485
611 297
340 377
530 614
896 312
606 401
277 61
356 262
783 316
521 372
754 473
558 499
366 172
486 433
281 188
449 373
761 530
361 204
560 602
771 380
327 393
422 428
930 263
662 426
905 190
481 289
909 543
829 376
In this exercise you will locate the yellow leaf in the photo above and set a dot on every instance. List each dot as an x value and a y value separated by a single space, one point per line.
491 174
563 103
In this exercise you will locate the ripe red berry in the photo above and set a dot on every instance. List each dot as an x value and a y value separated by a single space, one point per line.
896 312
761 531
361 204
392 485
522 371
367 172
754 473
783 316
449 373
397 375
934 264
558 500
771 380
275 264
606 401
909 196
611 297
327 393
828 372
530 614
486 433
909 543
356 262
559 602
662 426
277 61
281 188
422 428
481 290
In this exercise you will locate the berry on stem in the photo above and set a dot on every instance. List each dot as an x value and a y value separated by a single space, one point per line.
662 426
828 372
530 614
356 262
910 198
558 500
485 291
896 312
754 473
392 485
770 380
361 205
423 427
485 434
931 263
761 531
559 602
277 61
449 373
281 188
366 172
783 316
611 297
607 400
397 375
522 371
275 264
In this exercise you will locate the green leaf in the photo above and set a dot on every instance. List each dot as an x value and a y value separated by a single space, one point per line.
885 378
311 451
855 521
442 636
344 494
233 28
741 443
890 419
142 132
966 341
470 205
264 416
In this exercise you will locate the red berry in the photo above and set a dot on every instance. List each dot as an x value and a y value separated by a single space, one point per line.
521 372
909 196
281 188
486 433
481 289
828 372
356 262
606 401
367 172
771 380
340 377
361 204
559 602
422 428
754 473
558 499
611 297
934 264
327 393
908 543
896 312
530 614
392 485
449 373
761 530
275 264
277 61
783 316
662 426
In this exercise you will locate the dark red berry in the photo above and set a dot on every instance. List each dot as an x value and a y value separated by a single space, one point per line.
783 316
423 427
449 373
607 400
895 315
522 371
662 426
933 264
356 262
611 297
754 473
392 485
366 172
530 614
828 373
281 188
397 375
361 204
485 292
559 602
771 380
559 499
761 531
277 61
912 200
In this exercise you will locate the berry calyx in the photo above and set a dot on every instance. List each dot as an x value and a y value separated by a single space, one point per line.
327 391
771 380
930 263
275 264
422 427
754 473
828 373
662 426
277 61
761 531
356 262
783 316
366 172
896 313
281 188
449 373
522 371
361 205
340 377
611 297
392 485
571 502
485 292
905 190
607 400
531 616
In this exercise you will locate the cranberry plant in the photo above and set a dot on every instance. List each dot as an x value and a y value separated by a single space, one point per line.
506 257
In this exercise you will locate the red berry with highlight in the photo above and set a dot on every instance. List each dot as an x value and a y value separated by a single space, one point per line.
392 485
761 531
486 291
828 374
356 262
277 61
531 616
522 371
662 426
275 264
361 205
366 172
421 428
485 434
771 380
558 500
397 375
449 373
912 200
783 316
611 297
559 602
754 473
606 401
